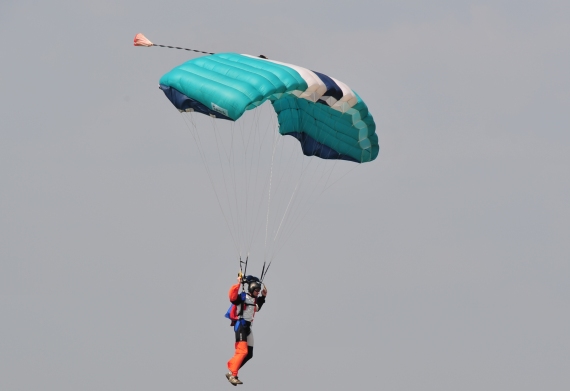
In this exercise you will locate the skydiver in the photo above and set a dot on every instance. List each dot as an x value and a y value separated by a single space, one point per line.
245 305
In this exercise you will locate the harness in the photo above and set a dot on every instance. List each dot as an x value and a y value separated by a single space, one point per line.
235 314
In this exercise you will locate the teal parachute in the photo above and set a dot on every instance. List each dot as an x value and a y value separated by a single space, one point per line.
263 185
328 118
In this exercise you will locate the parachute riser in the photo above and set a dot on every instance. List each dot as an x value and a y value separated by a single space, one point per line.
242 272
264 271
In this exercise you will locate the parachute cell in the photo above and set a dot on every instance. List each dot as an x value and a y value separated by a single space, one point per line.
327 117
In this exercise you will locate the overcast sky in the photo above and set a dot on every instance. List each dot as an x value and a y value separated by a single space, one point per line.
450 272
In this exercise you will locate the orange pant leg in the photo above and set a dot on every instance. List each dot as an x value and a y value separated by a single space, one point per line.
235 362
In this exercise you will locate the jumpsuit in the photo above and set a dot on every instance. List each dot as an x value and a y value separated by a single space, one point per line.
243 333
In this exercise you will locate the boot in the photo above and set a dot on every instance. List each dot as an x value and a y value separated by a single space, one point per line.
233 379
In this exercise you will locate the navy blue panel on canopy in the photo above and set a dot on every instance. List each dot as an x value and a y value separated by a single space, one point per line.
332 88
311 147
182 102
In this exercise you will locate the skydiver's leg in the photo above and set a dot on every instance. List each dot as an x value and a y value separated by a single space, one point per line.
249 348
241 349
236 361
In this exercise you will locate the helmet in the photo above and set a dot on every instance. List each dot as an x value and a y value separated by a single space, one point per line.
249 279
252 286
253 283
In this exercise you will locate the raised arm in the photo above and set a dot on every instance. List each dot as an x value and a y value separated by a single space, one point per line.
234 295
261 298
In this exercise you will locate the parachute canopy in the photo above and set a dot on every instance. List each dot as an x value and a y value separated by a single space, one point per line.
328 118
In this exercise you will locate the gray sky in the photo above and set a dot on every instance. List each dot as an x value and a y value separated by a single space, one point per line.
450 273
